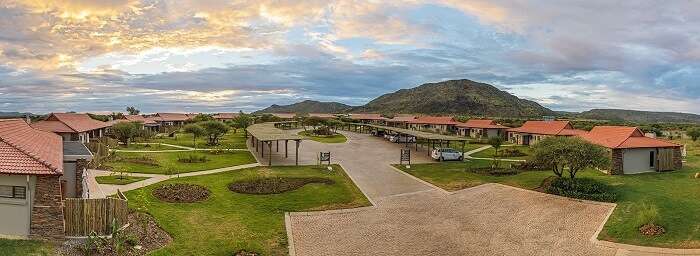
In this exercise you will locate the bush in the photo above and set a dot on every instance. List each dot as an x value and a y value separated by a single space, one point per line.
581 188
646 214
144 160
190 159
511 152
274 185
494 171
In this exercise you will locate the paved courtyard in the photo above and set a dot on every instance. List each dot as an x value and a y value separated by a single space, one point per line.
412 218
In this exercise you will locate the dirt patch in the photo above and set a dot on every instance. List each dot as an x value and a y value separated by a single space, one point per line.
142 236
181 193
246 253
275 185
652 230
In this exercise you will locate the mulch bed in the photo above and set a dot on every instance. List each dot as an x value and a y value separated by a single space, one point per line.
652 230
275 185
246 253
142 236
181 193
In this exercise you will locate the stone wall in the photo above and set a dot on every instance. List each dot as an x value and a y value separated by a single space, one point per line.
47 209
616 163
80 167
677 158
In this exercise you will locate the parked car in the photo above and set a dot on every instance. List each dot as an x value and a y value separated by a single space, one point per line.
402 139
446 154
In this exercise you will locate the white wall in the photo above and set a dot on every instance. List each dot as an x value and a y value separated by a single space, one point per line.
69 177
637 160
15 213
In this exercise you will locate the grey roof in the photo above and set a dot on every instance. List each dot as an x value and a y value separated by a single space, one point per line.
268 132
75 148
419 134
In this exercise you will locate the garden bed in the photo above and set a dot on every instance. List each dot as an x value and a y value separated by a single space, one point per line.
275 185
334 138
181 193
169 162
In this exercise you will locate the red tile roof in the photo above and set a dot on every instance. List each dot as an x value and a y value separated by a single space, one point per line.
139 118
172 117
543 127
24 150
448 120
367 117
322 115
283 115
69 122
482 123
572 132
623 137
401 119
226 116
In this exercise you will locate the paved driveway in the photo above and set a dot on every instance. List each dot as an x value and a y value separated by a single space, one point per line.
412 218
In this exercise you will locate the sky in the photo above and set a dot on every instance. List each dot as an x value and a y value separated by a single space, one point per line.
227 56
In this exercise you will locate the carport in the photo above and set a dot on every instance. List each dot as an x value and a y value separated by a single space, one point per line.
430 138
265 133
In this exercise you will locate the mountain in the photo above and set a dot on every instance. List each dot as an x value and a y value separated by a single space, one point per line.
639 116
455 97
307 106
13 114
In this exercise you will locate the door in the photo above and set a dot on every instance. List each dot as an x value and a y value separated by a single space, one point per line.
665 159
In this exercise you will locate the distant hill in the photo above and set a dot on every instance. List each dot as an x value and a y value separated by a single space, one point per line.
13 114
455 97
639 116
308 106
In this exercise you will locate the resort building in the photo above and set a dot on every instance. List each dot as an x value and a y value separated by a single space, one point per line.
438 124
37 171
481 129
368 118
170 119
73 126
632 152
226 116
400 121
532 132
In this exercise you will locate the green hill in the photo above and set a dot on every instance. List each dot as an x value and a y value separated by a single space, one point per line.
307 106
639 116
464 97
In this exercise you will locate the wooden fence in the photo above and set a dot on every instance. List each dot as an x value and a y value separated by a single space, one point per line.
82 217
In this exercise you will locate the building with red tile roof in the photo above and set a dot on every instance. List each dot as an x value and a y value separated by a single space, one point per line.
226 116
323 115
72 126
439 124
368 118
632 152
481 128
532 132
400 121
170 119
37 170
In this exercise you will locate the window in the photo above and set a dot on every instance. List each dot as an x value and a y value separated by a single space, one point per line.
13 192
651 159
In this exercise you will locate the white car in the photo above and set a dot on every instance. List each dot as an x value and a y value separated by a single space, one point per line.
402 139
446 154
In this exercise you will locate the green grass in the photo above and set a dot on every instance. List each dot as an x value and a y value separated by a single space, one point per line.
146 147
118 179
26 247
489 153
169 160
336 138
229 140
674 195
228 222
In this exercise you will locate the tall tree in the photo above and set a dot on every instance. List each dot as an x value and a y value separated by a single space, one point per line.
242 121
195 130
694 133
125 131
576 154
496 143
132 110
214 130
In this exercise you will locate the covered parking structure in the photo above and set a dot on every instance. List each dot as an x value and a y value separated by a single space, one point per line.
430 138
265 133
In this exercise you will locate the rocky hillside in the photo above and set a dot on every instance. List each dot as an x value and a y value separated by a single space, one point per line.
455 97
639 116
308 106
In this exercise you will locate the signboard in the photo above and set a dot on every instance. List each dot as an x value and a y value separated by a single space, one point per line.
324 157
405 156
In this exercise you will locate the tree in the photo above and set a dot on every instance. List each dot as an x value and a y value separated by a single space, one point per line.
496 143
125 131
694 133
242 121
132 110
549 153
300 118
314 121
582 154
202 118
195 130
334 123
214 130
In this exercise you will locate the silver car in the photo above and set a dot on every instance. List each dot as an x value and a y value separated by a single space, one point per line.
446 154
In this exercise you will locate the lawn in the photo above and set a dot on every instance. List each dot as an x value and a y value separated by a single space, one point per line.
26 247
228 222
146 147
118 179
336 138
229 140
675 194
489 153
165 162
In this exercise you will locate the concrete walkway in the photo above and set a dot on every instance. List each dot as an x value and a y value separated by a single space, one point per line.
103 190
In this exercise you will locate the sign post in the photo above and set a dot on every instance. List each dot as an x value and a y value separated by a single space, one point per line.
324 157
405 157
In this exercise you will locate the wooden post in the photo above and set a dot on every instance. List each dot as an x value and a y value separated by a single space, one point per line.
269 146
262 149
296 161
278 145
286 152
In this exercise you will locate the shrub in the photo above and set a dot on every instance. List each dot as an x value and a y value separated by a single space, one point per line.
144 160
190 159
274 185
511 152
646 214
581 188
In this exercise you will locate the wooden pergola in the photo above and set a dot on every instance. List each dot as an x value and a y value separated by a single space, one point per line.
432 138
266 133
